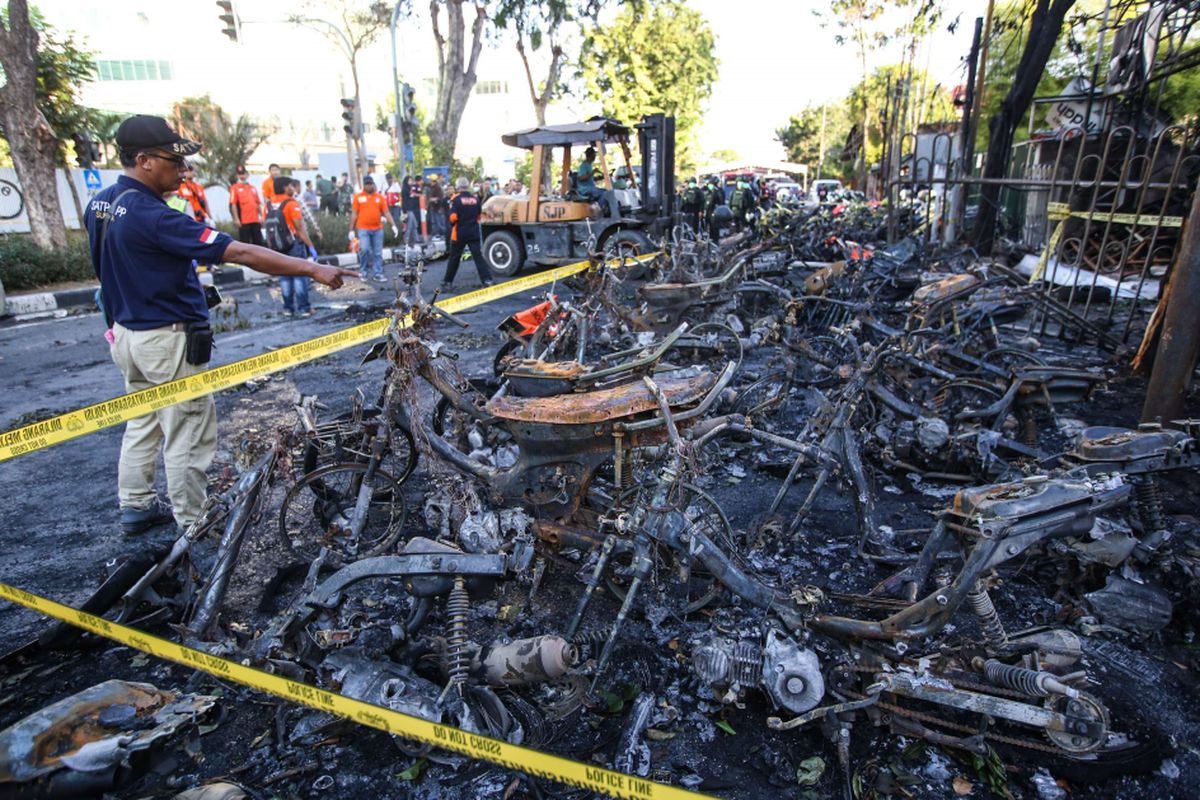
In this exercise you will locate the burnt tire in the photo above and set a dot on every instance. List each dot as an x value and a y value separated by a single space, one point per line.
504 254
629 242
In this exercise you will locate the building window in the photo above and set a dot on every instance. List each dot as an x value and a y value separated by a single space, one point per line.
491 87
141 70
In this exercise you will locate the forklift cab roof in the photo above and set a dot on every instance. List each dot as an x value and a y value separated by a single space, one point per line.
595 129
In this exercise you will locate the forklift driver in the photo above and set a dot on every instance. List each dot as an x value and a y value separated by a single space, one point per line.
585 184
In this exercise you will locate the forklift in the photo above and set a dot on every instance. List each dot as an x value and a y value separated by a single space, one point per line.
557 225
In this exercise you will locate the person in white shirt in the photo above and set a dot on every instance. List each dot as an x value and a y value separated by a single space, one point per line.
393 192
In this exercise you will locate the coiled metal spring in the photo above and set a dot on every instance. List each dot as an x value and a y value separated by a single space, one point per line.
989 620
458 660
1029 428
1028 681
1149 505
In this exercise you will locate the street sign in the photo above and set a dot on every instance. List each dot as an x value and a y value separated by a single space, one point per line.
91 179
408 152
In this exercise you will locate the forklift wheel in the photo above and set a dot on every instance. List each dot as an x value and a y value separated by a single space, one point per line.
504 254
629 242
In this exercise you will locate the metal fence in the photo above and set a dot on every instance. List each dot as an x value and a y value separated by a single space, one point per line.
1097 209
1105 212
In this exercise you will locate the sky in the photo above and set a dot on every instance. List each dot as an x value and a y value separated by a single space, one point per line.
775 58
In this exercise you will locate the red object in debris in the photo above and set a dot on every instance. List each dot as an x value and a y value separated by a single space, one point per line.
838 209
531 318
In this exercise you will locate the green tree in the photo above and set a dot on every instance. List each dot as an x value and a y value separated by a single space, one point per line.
417 137
636 65
523 168
34 96
64 67
538 23
724 156
1073 54
804 142
227 143
936 106
858 22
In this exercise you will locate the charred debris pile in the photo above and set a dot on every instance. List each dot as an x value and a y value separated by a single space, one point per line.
747 515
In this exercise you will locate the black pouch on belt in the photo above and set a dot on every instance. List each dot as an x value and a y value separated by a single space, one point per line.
199 343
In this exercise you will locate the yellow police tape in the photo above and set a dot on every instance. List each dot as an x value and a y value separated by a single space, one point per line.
1062 211
90 419
484 748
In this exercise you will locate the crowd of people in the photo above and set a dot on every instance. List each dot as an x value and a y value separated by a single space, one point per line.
698 204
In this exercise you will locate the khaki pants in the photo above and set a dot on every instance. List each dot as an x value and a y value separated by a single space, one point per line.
186 432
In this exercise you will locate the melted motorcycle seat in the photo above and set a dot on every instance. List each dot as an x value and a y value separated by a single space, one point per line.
602 405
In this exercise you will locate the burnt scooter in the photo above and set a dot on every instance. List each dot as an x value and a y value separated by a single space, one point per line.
565 420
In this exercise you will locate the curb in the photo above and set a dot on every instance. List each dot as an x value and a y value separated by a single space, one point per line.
46 303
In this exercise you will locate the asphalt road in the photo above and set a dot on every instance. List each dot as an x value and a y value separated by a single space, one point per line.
59 517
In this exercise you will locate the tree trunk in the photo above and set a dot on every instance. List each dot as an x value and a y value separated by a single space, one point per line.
31 141
1044 27
541 101
866 117
456 73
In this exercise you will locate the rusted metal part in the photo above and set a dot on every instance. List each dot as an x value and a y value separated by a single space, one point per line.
525 661
820 279
531 378
940 290
602 405
94 731
567 536
1179 345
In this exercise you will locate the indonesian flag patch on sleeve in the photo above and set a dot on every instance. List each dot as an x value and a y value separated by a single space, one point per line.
209 236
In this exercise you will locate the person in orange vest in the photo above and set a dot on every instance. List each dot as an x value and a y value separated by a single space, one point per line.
194 193
244 205
268 188
464 233
368 210
286 208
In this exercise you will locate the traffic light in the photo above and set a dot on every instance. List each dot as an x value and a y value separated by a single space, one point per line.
350 115
87 153
409 102
230 19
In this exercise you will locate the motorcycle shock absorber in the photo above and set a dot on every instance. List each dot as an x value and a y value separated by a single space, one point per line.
458 660
1029 428
1028 681
981 603
1149 505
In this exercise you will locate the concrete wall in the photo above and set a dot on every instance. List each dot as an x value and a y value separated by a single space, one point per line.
13 218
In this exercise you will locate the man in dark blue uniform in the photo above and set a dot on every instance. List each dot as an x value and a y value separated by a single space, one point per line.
464 233
143 253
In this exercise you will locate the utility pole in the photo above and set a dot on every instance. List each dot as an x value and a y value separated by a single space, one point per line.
981 76
396 88
957 194
1179 343
821 143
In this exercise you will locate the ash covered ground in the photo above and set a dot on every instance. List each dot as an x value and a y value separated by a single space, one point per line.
650 713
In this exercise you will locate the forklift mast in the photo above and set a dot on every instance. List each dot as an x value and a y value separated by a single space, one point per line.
656 138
